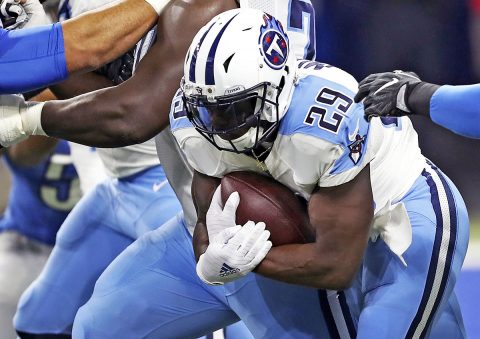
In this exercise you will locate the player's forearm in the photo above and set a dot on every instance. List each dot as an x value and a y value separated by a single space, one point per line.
341 217
102 119
203 187
457 108
97 37
200 239
302 265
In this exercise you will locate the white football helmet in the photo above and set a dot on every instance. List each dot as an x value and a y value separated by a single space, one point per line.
238 80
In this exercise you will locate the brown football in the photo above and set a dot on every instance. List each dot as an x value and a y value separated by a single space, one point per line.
264 199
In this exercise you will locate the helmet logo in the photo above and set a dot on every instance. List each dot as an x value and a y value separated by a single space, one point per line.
273 43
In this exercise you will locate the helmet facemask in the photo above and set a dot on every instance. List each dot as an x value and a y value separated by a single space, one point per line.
238 122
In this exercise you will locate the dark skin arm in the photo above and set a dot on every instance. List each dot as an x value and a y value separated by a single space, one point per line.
341 216
203 188
33 150
136 110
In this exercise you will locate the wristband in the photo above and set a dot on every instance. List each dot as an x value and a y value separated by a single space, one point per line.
418 97
32 118
158 5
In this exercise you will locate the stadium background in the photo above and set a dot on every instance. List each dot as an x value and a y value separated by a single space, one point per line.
438 39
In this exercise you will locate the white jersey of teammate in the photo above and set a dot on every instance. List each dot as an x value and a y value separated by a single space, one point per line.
302 38
124 161
323 140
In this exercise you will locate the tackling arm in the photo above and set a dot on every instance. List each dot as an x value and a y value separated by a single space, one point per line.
341 216
99 36
37 57
401 93
456 108
136 110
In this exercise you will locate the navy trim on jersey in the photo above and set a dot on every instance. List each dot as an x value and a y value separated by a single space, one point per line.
209 71
193 62
65 11
436 252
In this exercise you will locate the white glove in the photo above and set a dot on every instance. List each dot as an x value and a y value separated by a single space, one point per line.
19 119
219 218
158 5
12 14
233 253
35 12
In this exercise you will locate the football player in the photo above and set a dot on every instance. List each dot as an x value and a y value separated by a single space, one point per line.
39 56
403 93
174 268
134 199
45 187
379 208
260 303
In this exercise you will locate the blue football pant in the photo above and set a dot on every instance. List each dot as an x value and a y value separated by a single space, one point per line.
417 301
98 229
151 290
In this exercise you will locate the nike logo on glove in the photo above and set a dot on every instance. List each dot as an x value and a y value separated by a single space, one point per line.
388 84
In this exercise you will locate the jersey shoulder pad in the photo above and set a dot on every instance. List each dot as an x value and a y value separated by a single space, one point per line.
322 105
324 120
327 73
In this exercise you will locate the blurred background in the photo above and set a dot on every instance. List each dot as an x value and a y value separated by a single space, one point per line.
440 41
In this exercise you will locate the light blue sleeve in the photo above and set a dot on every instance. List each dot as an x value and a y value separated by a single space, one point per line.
457 108
31 58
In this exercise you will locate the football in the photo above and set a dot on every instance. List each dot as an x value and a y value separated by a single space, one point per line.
264 199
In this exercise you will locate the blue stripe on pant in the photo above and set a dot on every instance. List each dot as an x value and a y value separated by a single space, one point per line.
445 237
417 301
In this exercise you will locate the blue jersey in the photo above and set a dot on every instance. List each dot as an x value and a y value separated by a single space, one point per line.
31 58
41 196
457 109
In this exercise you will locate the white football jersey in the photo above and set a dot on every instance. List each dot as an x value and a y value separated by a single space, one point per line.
88 165
323 140
124 161
178 171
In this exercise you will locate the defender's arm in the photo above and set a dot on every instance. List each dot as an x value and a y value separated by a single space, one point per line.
341 216
136 110
37 57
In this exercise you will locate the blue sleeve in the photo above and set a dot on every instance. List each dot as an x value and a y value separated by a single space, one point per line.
31 58
457 108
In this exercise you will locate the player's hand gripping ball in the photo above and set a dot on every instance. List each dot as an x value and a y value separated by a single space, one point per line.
264 199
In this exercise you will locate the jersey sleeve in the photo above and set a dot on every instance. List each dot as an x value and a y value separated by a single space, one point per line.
31 58
457 108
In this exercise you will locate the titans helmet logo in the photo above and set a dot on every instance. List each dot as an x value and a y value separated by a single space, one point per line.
273 43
